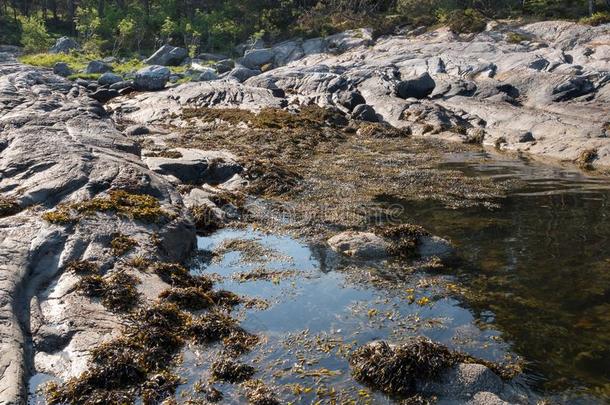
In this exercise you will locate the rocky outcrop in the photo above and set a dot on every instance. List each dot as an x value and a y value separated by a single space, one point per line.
471 88
59 149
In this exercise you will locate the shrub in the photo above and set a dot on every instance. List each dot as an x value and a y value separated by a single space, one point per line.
596 19
466 21
35 37
10 31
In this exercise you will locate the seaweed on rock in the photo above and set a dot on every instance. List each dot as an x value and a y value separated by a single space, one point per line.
231 371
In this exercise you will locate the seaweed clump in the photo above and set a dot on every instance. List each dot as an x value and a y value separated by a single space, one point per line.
268 178
191 298
131 365
118 291
404 238
585 159
178 276
206 220
122 244
8 207
82 267
395 370
259 394
231 371
377 130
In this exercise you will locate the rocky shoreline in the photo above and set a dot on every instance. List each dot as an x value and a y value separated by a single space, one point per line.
73 171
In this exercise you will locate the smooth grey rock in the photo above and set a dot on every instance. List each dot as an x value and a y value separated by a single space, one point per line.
462 382
364 245
256 58
108 79
364 112
97 66
224 66
64 45
241 74
206 75
122 85
196 166
349 99
151 78
418 87
430 246
215 57
137 130
168 55
104 95
62 69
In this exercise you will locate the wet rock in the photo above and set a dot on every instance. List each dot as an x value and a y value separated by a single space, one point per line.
430 246
64 45
243 73
168 55
62 69
97 66
193 166
109 78
364 245
419 87
104 95
151 78
463 381
364 112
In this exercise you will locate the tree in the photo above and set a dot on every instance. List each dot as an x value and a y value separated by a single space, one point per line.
34 37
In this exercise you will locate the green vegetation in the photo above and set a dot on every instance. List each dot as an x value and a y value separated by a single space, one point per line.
128 27
596 19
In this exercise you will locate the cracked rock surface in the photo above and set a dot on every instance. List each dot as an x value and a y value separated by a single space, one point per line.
59 147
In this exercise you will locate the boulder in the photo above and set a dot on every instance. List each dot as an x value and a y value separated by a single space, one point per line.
257 58
151 78
207 75
365 112
224 66
572 88
215 57
364 245
431 245
97 66
194 166
418 87
64 45
122 85
62 69
349 99
168 55
463 381
109 78
241 74
104 95
287 52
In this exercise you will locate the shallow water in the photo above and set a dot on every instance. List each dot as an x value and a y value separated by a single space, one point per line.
534 283
536 271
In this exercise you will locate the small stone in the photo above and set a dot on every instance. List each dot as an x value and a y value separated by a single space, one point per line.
137 130
526 137
365 112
